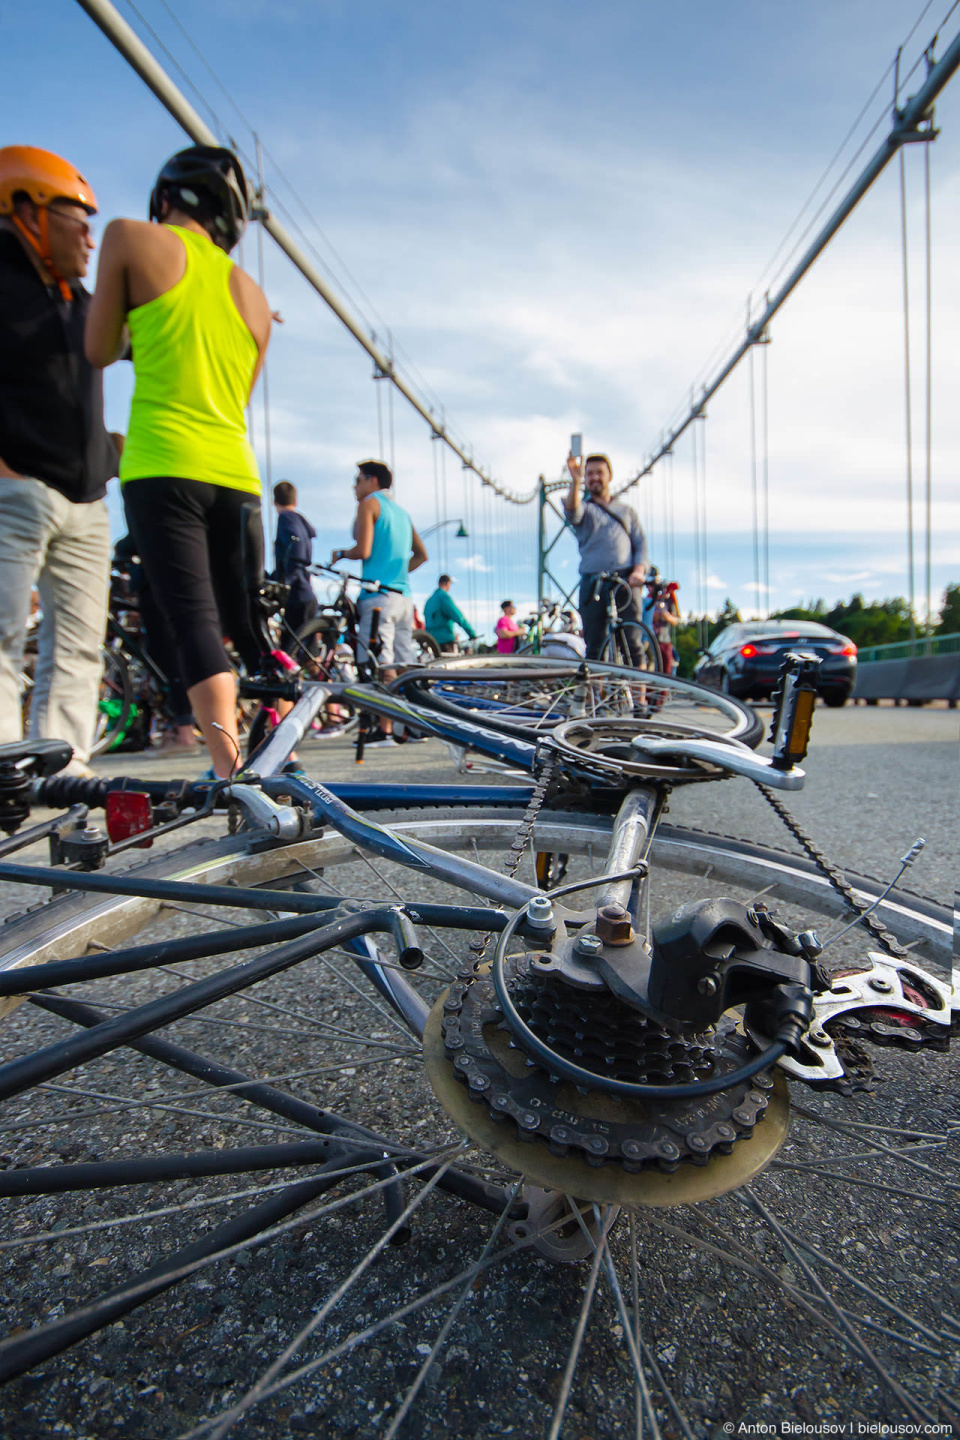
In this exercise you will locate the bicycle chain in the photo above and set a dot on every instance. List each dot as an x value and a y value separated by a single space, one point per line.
830 872
518 845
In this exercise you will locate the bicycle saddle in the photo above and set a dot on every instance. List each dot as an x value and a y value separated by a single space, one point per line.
36 757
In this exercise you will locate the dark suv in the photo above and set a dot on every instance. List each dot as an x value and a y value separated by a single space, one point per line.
745 660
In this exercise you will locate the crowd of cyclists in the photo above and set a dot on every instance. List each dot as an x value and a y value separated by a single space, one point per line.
170 299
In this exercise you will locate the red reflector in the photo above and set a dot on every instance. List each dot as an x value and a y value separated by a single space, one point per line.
748 651
129 812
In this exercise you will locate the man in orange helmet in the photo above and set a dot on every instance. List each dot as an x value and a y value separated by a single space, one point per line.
55 454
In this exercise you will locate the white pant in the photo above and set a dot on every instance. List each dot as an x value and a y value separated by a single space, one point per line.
396 627
64 549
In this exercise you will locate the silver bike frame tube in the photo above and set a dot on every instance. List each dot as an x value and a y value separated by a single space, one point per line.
403 850
284 739
632 832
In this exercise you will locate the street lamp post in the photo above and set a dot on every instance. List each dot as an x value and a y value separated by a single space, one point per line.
462 532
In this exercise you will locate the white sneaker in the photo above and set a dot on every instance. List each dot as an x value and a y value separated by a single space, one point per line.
380 742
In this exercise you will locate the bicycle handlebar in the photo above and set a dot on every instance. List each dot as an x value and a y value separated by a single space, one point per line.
374 586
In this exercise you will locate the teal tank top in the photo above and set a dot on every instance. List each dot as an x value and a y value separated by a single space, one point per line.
392 543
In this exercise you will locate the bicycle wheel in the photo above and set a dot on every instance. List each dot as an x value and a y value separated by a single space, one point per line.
528 694
629 639
813 1293
116 702
427 647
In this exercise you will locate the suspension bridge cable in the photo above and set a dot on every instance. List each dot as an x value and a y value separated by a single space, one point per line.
697 566
754 483
124 38
907 389
928 398
765 474
912 122
263 368
703 531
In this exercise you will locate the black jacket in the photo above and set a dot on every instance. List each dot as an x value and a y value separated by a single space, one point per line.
51 399
293 551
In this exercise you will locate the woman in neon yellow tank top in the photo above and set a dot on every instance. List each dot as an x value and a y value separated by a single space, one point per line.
199 329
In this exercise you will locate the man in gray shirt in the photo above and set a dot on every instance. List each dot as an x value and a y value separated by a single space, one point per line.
611 541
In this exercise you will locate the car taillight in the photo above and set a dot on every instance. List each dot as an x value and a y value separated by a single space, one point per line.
748 651
848 649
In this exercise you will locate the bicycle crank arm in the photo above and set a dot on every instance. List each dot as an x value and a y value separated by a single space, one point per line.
727 755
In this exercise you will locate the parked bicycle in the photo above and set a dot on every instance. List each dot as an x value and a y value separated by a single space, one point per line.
552 631
492 1026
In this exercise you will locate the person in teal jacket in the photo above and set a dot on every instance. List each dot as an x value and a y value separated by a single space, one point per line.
441 614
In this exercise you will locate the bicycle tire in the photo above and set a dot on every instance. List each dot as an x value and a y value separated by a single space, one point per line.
116 690
520 695
427 645
617 650
701 1317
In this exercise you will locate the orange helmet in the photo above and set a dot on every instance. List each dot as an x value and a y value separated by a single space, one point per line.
43 176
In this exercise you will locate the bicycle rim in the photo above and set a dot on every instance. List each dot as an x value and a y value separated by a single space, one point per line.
736 1306
531 694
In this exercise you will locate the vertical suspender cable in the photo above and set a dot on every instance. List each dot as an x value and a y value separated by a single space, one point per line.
260 276
703 531
906 382
444 534
436 487
751 381
928 417
471 547
765 476
393 451
697 566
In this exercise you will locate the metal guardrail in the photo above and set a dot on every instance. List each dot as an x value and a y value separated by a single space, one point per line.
909 649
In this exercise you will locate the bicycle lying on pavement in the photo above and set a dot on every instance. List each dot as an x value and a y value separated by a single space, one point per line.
484 1042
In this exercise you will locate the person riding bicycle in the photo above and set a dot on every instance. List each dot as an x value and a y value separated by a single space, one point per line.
390 548
199 328
661 614
56 455
441 614
611 541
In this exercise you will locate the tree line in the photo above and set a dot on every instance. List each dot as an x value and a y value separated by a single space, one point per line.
879 622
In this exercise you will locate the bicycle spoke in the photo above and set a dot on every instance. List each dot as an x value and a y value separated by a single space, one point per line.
451 1319
254 1393
914 1411
589 1292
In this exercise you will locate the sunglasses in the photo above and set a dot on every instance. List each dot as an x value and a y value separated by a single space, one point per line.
72 219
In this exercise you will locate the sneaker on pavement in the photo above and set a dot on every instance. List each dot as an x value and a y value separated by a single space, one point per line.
379 741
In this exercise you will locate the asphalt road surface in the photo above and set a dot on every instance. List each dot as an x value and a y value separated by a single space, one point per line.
744 1328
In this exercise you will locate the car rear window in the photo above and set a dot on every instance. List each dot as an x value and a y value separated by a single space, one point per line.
805 629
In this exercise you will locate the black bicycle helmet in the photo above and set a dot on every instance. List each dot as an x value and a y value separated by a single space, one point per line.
208 182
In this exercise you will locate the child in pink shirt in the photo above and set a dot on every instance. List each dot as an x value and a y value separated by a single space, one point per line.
507 630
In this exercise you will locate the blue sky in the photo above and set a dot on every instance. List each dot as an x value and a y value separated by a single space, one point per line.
559 211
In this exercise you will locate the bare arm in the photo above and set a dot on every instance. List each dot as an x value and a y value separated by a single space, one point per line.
368 512
419 556
571 501
103 340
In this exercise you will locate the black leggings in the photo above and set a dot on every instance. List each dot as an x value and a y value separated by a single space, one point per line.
189 536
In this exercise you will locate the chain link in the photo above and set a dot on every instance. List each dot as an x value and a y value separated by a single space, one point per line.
521 839
846 892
